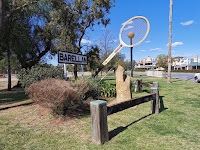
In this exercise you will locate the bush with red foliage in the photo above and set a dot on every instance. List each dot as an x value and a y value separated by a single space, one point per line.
62 97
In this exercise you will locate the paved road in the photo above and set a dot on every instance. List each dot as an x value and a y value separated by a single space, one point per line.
181 76
6 79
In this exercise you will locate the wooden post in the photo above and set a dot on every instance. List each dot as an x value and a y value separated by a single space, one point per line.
155 84
155 102
98 111
138 85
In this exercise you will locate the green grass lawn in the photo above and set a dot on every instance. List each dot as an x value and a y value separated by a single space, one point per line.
176 127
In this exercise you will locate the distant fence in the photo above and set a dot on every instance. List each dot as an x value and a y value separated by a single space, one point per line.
88 73
155 73
99 112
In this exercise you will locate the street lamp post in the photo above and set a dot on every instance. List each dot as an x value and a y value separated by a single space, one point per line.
131 36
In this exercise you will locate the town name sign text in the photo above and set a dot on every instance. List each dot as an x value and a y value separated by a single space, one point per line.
71 58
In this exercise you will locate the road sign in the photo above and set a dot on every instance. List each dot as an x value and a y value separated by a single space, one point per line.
195 58
154 63
71 58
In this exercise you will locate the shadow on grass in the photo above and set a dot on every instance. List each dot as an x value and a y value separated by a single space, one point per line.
147 91
162 107
105 79
177 80
9 97
26 104
120 129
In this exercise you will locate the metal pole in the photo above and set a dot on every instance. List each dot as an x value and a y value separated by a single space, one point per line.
82 70
65 71
131 36
131 60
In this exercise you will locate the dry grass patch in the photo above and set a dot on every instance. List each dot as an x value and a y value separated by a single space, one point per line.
4 84
62 97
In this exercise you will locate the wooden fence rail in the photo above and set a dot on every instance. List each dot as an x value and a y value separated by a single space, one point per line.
100 111
131 103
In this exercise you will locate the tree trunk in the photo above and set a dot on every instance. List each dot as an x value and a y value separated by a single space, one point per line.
1 18
9 68
170 42
75 72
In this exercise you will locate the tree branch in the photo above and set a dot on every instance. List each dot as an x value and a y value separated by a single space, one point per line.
18 8
47 49
83 33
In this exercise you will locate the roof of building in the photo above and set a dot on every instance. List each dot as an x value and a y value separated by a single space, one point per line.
194 64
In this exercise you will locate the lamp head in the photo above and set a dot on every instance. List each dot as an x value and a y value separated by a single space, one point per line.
131 35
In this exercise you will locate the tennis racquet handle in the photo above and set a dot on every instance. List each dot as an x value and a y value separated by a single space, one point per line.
97 71
112 54
106 61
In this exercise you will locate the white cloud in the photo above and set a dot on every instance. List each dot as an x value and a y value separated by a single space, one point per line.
128 22
143 50
175 51
176 44
113 41
155 49
187 23
86 41
184 55
147 42
129 27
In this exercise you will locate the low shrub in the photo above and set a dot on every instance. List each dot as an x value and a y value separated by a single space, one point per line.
139 70
108 90
36 73
62 97
187 71
94 89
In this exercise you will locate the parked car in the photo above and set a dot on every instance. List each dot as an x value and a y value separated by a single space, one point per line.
197 77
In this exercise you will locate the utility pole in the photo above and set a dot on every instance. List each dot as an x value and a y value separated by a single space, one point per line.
170 41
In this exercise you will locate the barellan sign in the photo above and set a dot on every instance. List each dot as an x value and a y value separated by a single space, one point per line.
71 58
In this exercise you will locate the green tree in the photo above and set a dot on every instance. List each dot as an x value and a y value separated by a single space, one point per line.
128 65
93 58
8 8
15 65
69 67
9 15
162 61
73 18
31 29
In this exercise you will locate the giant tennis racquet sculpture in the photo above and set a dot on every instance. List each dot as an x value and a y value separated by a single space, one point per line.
132 33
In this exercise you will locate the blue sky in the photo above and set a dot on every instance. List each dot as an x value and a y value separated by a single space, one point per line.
185 27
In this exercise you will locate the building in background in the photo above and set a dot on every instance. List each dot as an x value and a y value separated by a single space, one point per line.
180 63
195 63
149 63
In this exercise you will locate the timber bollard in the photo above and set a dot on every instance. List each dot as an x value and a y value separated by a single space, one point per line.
138 85
98 111
156 101
155 84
